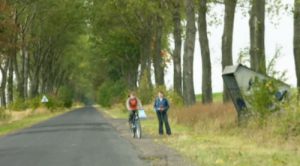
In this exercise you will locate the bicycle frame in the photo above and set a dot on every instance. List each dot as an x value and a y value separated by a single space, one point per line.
136 126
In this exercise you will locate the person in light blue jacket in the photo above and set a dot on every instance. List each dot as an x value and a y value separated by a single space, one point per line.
161 106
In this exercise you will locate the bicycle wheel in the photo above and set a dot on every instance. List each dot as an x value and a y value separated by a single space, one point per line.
138 130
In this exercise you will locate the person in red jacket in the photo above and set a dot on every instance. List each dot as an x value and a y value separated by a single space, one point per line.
133 104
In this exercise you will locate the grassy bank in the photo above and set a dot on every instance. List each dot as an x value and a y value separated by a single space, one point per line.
217 97
22 119
210 136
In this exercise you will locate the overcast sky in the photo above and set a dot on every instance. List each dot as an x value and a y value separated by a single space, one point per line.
279 35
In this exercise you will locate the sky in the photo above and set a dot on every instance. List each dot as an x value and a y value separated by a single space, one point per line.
277 35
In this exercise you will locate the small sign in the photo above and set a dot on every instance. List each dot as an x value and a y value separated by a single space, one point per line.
44 99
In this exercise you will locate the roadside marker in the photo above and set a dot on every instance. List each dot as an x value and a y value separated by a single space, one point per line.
44 99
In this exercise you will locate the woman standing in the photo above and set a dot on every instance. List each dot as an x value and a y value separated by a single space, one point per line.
161 106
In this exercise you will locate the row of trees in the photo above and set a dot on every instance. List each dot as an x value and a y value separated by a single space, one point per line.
93 44
34 38
133 34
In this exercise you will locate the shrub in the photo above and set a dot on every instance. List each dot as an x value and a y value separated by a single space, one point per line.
3 114
64 99
111 92
262 100
21 105
288 121
145 91
18 105
34 102
54 103
66 95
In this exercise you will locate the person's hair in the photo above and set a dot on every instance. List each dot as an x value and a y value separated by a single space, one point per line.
131 93
161 92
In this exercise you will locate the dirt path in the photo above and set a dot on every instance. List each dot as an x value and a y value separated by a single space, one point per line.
157 154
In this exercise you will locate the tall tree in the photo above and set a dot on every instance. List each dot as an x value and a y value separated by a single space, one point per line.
257 36
26 19
230 6
12 57
7 31
177 33
297 41
188 58
157 58
3 82
205 53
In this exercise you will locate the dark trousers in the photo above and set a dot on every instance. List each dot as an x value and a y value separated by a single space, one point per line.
131 115
163 119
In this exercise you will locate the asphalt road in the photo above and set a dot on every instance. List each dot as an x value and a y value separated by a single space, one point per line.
78 138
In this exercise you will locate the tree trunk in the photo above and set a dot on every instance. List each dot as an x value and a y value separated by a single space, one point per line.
297 42
10 80
42 50
157 58
146 58
35 84
26 73
21 74
130 71
3 83
205 54
188 58
257 36
131 78
230 6
35 77
177 50
21 79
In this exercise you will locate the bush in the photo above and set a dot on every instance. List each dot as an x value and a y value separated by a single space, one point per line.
111 92
3 114
54 103
21 105
18 105
64 99
65 95
34 103
288 121
262 100
145 91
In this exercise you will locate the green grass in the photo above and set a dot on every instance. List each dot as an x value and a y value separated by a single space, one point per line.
115 112
217 97
6 127
228 150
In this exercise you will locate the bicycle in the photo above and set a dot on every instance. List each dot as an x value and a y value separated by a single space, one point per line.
136 126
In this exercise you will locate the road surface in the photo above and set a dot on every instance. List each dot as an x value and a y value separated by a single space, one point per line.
78 138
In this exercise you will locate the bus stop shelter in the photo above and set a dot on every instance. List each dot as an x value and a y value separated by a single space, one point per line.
238 81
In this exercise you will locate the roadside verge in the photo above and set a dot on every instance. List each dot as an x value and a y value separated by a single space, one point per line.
151 148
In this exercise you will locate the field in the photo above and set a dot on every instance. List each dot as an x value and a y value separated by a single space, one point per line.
217 97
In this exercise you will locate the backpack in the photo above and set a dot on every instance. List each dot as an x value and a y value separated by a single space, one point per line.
133 103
